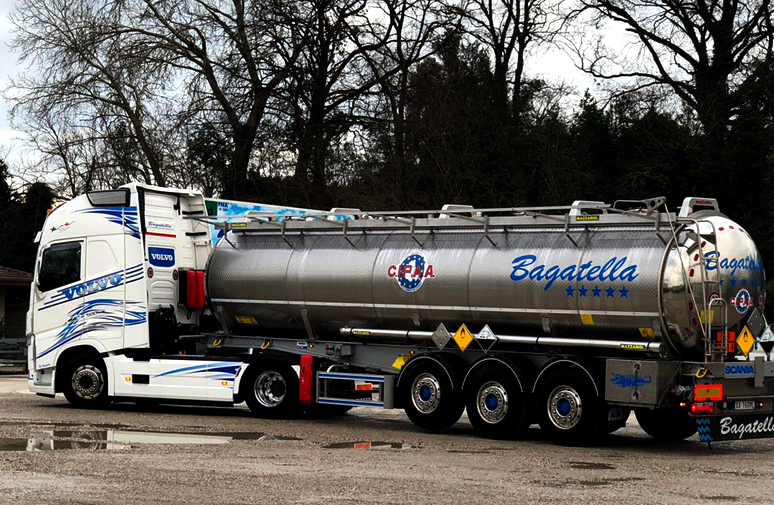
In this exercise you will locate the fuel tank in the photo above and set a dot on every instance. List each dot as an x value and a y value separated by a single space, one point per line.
608 278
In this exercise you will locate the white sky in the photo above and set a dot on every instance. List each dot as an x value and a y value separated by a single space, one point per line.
9 143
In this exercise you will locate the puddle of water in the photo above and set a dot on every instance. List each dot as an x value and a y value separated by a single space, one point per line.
13 444
590 465
60 424
261 437
605 482
588 483
720 497
734 473
115 439
369 445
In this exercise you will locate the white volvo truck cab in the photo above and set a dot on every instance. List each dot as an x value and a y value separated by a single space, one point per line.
119 275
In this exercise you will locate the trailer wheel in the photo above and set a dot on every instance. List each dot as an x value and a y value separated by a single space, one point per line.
670 425
569 409
85 381
428 396
271 390
495 403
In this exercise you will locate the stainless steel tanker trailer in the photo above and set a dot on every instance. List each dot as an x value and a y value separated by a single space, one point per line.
569 317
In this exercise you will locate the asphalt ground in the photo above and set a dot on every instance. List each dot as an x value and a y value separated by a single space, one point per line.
51 453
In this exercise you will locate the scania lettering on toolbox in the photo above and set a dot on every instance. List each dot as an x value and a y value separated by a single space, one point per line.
740 369
512 314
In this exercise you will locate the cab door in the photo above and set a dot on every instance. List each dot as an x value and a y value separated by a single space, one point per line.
60 274
79 295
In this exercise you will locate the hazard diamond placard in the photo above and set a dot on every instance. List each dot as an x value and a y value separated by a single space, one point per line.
463 337
746 341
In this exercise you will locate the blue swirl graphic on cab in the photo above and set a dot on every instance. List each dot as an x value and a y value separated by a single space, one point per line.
612 270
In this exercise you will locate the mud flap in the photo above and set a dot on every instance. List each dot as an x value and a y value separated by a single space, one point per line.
737 427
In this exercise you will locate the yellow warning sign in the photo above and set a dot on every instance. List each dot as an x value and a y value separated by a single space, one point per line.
746 341
702 317
463 337
400 361
587 319
647 333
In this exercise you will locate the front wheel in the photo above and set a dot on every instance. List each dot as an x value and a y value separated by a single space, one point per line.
85 382
669 425
271 390
428 396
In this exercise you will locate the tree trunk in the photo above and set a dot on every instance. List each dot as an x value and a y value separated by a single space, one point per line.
236 183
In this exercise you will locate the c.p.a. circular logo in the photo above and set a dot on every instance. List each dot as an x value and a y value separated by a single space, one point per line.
742 301
411 272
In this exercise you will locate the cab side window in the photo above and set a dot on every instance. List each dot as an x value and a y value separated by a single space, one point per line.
60 265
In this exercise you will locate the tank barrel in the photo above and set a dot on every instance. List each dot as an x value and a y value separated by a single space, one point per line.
633 279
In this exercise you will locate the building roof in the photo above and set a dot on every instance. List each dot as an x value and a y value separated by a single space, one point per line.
13 277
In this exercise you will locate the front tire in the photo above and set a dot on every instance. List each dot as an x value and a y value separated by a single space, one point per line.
495 403
569 408
271 390
428 396
670 425
85 382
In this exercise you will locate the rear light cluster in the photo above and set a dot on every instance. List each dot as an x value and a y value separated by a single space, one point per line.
704 395
703 408
191 289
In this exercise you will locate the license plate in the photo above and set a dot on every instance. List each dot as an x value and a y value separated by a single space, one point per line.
744 405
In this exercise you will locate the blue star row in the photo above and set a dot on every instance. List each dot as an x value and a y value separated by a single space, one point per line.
743 282
597 292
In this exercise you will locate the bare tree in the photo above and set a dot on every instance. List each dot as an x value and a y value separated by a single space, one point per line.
331 81
508 28
232 55
74 157
82 67
708 53
416 24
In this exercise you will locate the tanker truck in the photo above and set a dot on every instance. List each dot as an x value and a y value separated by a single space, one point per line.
567 317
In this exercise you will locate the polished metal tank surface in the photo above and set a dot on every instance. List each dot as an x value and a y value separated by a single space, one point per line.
626 282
